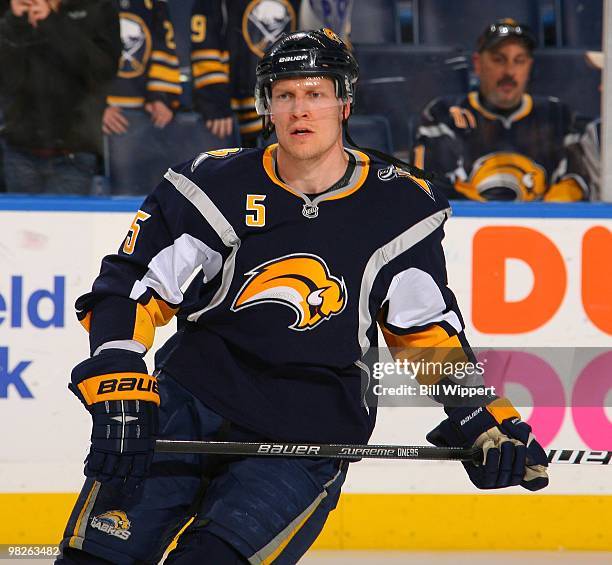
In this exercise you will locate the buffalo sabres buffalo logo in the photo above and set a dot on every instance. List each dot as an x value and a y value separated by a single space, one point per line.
136 40
392 172
114 523
300 281
264 21
504 176
215 154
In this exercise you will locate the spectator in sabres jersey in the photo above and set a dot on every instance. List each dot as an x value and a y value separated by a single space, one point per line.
499 142
148 78
590 140
226 45
56 59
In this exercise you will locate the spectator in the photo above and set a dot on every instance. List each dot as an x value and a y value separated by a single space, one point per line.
335 14
148 76
590 141
227 40
56 57
210 67
500 143
252 27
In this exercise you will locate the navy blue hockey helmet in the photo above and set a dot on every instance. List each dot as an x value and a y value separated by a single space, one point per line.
306 53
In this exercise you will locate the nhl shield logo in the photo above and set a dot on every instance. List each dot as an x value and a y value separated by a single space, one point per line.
264 21
310 211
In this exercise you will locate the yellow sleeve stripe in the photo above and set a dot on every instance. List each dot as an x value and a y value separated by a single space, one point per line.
203 81
162 56
243 103
205 67
419 156
210 53
248 116
86 321
433 346
152 315
501 409
125 101
164 73
251 128
170 89
120 386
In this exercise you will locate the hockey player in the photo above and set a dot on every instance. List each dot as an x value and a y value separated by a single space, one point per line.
500 143
148 76
293 252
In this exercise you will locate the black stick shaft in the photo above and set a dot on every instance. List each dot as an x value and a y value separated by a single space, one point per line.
424 453
340 451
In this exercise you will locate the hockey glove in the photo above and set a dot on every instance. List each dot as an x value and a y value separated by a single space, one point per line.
512 456
124 403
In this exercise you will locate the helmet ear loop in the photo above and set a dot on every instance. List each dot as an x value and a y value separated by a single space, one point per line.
266 120
268 127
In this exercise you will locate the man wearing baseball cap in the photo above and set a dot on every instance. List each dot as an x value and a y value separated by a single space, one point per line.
499 142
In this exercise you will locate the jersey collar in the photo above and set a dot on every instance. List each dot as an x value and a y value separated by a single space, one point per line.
522 111
362 167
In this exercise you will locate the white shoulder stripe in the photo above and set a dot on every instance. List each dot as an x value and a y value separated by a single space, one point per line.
436 131
205 206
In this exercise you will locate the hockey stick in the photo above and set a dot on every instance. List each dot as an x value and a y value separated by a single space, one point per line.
339 451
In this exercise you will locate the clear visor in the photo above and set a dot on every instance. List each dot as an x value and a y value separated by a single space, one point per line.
300 95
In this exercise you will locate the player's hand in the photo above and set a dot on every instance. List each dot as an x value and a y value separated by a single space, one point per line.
221 127
161 115
512 456
39 10
124 403
20 7
113 121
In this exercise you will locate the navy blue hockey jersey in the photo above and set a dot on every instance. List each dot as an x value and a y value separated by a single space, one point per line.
526 155
278 293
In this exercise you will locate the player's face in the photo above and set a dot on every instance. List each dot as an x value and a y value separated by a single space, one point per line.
504 73
307 116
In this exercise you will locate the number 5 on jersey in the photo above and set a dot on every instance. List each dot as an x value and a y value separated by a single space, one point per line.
132 236
256 211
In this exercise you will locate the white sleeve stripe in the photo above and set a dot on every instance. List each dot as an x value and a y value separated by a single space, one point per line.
127 344
416 300
174 265
384 255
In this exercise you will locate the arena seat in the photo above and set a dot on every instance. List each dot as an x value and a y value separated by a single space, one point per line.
375 21
136 161
371 131
449 22
564 73
579 23
399 80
